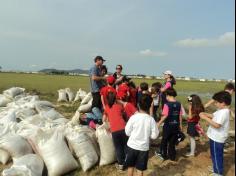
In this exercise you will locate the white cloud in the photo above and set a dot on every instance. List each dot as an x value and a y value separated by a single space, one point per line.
150 53
227 39
34 65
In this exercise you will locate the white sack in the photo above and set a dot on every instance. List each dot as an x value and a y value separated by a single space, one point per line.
55 153
52 114
62 95
106 146
70 94
4 100
4 156
15 145
86 99
14 91
28 165
84 149
84 108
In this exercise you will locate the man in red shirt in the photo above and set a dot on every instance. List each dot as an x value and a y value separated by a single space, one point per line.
105 90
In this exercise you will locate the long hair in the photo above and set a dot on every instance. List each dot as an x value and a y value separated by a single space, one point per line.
173 80
197 106
111 99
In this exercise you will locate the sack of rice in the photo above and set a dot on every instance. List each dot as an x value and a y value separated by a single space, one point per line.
14 91
83 149
9 117
70 94
51 114
80 95
106 146
86 99
4 156
15 145
43 106
62 96
55 153
4 100
84 108
28 165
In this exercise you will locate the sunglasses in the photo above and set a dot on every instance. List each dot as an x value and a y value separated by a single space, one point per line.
118 68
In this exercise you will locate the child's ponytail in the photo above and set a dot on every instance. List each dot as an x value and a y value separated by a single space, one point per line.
111 99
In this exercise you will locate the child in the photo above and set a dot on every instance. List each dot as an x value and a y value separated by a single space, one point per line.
218 129
143 90
140 128
123 87
195 108
113 113
129 108
105 90
172 118
133 93
155 93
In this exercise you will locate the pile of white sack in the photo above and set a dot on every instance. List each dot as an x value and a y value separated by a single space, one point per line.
35 137
68 95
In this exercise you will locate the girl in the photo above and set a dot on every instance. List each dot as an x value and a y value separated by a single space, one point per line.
155 93
133 93
169 83
172 118
195 108
113 113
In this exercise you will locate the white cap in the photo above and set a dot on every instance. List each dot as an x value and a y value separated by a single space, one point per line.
168 72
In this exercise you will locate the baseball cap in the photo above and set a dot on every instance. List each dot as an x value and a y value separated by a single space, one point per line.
110 79
99 58
168 72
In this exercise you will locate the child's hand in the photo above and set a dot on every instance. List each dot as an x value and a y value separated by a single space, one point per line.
202 115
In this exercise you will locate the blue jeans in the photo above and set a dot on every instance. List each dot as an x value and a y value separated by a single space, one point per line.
217 156
95 115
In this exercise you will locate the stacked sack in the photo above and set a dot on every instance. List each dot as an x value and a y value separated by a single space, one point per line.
34 134
67 95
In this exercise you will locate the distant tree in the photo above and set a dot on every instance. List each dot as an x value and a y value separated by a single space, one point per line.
0 68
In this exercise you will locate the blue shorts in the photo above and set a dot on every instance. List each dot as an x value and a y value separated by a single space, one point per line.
137 159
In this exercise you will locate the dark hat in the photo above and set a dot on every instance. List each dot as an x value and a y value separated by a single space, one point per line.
99 58
126 79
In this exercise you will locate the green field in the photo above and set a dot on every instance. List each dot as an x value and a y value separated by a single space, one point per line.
47 85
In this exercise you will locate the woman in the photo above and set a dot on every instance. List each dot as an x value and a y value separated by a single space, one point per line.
169 83
118 75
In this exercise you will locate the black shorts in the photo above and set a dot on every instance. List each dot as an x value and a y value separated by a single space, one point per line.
192 129
137 159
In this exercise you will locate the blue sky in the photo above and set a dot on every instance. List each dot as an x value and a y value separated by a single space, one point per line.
190 37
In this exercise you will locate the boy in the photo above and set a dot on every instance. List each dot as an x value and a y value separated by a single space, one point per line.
172 118
218 129
105 90
140 128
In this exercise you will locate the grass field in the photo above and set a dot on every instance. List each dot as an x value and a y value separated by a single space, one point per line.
46 87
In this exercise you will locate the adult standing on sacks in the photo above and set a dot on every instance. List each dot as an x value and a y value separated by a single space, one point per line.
118 75
96 81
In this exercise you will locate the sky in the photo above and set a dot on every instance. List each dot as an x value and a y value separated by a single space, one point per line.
194 38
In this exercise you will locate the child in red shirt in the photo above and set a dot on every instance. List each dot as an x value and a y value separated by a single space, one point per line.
105 90
129 108
133 93
124 88
114 114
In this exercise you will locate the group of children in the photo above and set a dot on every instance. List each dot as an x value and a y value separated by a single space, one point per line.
132 114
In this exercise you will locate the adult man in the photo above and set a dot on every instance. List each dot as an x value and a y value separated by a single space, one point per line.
96 81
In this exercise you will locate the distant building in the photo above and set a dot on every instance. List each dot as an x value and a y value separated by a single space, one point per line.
202 80
187 79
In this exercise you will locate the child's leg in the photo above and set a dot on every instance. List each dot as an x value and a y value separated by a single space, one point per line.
131 171
119 146
217 156
171 147
192 145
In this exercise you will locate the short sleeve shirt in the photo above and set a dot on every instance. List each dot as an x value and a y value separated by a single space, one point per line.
104 92
95 85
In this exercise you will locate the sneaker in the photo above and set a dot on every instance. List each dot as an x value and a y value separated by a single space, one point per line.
158 155
120 168
189 155
210 169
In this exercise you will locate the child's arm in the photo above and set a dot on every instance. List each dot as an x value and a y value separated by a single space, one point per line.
180 122
209 103
104 118
103 102
151 109
163 118
206 114
208 119
154 130
190 111
129 127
